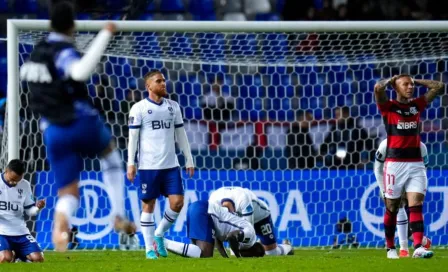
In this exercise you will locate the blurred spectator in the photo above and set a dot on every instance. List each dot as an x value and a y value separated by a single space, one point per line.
217 106
345 142
327 13
132 97
300 148
342 12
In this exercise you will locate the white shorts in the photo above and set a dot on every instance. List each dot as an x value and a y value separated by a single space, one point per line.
402 177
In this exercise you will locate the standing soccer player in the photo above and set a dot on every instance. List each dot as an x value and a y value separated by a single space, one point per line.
155 124
404 168
56 75
402 217
15 198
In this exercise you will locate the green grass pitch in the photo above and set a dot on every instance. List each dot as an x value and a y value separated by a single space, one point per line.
359 260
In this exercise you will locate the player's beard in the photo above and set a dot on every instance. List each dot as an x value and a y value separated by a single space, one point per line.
160 92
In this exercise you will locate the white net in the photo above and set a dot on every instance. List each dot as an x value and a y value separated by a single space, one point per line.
260 112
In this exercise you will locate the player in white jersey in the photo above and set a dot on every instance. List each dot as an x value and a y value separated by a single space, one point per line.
155 124
402 217
15 199
247 205
209 223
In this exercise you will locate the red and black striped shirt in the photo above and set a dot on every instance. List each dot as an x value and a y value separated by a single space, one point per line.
402 122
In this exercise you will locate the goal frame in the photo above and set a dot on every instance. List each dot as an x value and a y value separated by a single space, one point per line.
15 25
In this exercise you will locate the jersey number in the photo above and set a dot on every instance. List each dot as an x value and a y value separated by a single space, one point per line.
31 238
35 73
266 229
390 179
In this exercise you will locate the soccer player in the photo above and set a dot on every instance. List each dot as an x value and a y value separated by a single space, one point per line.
246 204
155 124
56 75
402 217
15 198
209 223
404 168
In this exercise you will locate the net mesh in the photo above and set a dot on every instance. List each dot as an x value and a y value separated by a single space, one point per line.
261 111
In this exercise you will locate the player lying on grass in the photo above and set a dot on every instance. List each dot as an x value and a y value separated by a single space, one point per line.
246 204
208 225
15 198
402 216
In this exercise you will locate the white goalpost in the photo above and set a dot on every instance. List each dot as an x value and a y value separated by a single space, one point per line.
259 102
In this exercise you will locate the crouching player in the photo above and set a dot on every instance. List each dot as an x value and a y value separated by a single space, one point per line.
246 204
208 225
15 198
402 217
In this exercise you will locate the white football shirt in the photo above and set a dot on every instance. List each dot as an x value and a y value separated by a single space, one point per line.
380 156
261 209
13 202
240 199
157 123
224 222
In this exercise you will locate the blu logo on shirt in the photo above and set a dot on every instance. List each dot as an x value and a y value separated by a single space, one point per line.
160 125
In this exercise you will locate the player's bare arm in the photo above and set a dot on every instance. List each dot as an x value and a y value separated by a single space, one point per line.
220 247
380 91
435 88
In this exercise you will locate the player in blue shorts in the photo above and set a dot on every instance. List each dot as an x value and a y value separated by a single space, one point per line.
15 199
209 224
56 74
155 125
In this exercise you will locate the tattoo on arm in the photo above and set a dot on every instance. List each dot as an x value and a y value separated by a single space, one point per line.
380 91
435 88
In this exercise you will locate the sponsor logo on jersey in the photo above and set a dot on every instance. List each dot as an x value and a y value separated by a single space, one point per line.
407 125
156 124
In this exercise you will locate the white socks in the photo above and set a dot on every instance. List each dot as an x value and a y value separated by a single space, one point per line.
185 250
402 226
168 219
281 249
147 227
67 205
113 177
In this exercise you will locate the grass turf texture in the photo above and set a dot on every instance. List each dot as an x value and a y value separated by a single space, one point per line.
359 260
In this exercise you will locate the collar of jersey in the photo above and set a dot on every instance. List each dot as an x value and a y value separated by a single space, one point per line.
3 179
154 102
59 37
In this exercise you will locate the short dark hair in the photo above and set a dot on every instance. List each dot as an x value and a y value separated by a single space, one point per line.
257 250
62 16
345 110
151 73
17 166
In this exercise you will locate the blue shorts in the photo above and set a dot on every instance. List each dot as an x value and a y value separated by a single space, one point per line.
154 183
199 222
265 231
67 144
22 245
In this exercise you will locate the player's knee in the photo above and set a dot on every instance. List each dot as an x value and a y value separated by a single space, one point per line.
6 256
36 257
177 205
148 205
270 247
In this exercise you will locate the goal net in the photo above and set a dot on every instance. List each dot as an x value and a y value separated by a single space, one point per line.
286 110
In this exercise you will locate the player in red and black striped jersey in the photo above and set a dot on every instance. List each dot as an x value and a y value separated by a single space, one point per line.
404 169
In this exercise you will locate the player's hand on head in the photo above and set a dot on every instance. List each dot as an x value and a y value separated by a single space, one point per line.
190 171
111 27
131 173
41 204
